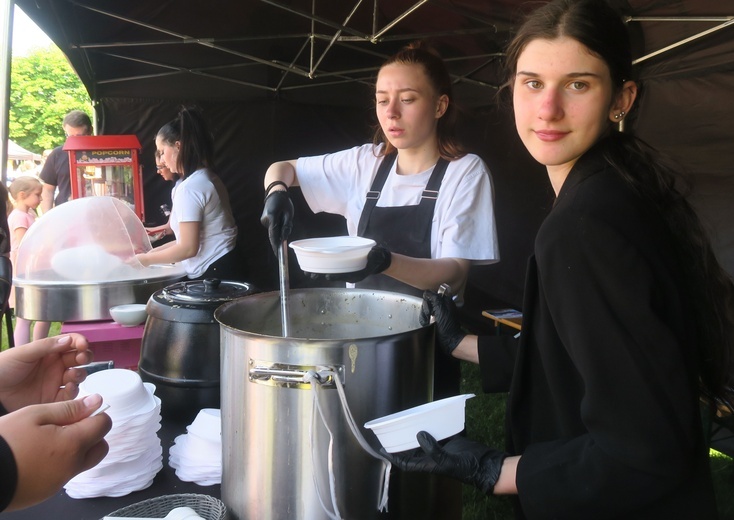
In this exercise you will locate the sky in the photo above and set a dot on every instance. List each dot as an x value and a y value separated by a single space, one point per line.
26 34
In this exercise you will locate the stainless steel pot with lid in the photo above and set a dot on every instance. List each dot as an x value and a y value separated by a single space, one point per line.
179 351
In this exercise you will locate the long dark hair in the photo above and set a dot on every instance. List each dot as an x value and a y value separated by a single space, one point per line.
708 287
421 53
197 144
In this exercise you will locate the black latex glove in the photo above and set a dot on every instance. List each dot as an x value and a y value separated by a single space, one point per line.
378 259
278 218
443 308
468 461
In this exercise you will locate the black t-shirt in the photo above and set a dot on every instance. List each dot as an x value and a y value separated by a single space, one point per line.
56 173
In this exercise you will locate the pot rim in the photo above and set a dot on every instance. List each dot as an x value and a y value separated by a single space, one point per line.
348 292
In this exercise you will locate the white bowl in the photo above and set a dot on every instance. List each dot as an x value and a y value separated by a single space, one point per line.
207 425
332 254
129 315
442 419
122 389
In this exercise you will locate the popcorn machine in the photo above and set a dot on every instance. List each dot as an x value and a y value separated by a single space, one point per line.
107 165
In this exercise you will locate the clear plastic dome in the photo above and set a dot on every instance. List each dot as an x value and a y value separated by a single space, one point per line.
92 239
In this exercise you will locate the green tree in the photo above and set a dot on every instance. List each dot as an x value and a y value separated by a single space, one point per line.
43 89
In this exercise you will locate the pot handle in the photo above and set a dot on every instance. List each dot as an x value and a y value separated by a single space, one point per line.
279 374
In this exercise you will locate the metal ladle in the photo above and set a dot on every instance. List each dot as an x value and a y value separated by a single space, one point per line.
283 281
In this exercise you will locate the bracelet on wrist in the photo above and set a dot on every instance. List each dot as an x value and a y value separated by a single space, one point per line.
273 185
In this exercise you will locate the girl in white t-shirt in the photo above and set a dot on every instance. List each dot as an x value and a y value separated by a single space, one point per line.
201 217
26 193
427 203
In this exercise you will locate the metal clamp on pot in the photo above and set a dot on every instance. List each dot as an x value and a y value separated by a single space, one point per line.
293 376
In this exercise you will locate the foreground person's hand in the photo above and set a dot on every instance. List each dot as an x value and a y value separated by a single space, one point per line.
448 331
52 443
468 461
378 259
277 217
34 373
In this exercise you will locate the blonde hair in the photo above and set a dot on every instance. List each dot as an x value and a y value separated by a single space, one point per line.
22 184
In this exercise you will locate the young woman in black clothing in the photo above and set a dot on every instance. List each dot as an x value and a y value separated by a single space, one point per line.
627 316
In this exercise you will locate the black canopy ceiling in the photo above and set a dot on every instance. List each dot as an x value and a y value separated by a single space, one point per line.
313 50
283 78
301 50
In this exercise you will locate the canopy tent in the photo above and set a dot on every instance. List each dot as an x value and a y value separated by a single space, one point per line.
18 153
283 78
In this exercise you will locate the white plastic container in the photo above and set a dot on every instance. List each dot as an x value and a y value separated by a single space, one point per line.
122 390
180 513
442 419
207 425
332 254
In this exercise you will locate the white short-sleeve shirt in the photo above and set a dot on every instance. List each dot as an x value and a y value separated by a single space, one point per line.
202 197
463 221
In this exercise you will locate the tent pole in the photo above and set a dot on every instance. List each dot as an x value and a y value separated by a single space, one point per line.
6 42
727 21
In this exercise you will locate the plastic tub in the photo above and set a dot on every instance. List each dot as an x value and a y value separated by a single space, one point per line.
442 419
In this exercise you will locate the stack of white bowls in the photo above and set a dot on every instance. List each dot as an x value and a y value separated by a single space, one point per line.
197 455
135 455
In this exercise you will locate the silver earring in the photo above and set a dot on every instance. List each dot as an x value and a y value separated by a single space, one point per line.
620 115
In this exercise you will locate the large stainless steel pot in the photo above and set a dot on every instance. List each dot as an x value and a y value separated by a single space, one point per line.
273 448
85 301
179 352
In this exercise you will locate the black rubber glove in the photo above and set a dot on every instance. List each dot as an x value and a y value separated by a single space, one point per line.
378 259
448 331
468 461
278 218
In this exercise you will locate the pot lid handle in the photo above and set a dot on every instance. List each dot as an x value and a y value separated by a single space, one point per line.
211 284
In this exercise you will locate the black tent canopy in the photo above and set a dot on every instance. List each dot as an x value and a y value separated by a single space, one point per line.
284 78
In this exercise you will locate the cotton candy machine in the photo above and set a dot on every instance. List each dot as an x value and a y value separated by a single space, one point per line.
78 260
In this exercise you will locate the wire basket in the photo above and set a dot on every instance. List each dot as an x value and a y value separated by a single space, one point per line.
206 506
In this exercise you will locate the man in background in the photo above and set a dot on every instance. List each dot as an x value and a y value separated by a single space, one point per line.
55 172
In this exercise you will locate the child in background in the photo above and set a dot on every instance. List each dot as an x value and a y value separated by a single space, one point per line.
26 194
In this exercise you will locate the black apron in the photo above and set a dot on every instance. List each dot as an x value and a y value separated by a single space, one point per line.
407 230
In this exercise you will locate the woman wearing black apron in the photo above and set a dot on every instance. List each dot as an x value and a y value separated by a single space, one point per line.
426 203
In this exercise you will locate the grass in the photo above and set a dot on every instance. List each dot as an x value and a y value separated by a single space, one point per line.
55 329
722 471
485 422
